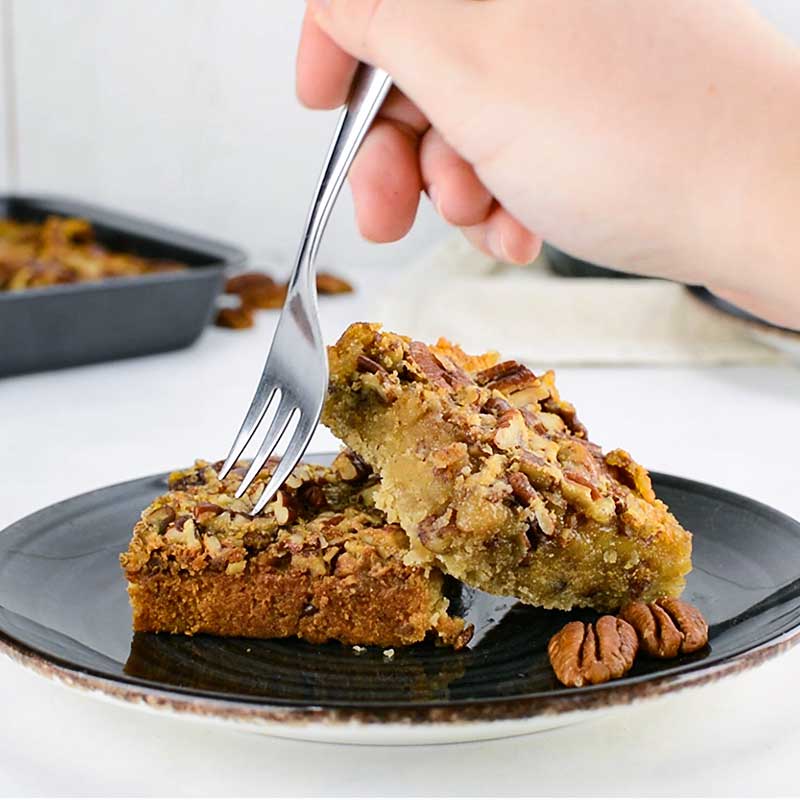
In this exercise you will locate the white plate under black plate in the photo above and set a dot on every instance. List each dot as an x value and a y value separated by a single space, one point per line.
64 612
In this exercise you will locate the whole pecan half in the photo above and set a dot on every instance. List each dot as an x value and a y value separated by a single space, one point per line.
667 627
236 317
332 284
584 653
257 290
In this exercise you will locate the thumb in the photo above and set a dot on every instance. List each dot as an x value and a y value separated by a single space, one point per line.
422 44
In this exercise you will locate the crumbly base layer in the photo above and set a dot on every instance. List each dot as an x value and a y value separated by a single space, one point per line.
397 608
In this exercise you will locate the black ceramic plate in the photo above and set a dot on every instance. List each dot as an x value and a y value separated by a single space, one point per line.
64 611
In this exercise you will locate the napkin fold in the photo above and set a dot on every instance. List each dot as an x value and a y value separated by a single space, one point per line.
534 315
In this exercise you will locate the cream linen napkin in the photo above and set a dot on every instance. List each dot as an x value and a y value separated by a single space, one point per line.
533 315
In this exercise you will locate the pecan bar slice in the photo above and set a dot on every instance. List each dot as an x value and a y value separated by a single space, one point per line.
320 563
493 478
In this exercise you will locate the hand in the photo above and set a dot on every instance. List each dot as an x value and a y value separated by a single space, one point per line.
657 138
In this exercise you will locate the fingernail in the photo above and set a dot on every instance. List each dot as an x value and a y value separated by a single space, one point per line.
494 242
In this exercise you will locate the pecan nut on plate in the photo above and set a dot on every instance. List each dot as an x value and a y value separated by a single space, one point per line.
588 653
668 627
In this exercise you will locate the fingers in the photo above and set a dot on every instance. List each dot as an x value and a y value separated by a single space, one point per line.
451 183
386 182
419 42
324 71
502 237
385 176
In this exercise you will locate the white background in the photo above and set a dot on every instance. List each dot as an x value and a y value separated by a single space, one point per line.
185 111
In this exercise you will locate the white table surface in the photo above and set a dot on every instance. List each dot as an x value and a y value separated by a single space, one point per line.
67 432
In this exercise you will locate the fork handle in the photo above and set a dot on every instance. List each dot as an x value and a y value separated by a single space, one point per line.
368 91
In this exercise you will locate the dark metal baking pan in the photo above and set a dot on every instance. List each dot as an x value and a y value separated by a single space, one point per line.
570 267
82 323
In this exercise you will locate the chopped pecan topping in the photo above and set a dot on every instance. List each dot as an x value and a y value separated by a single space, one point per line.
331 284
313 496
510 431
541 474
631 474
283 508
498 372
379 385
533 421
497 406
238 317
182 520
182 480
427 364
435 532
522 489
577 477
582 654
438 370
366 364
545 521
567 412
161 518
351 467
667 627
212 509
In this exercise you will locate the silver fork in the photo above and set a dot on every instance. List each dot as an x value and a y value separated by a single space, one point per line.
296 372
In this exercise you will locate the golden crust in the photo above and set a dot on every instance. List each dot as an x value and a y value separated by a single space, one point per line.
494 479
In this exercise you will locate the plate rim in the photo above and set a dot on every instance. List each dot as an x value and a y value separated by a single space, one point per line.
555 702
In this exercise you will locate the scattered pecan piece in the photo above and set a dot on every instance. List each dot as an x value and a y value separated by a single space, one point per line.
510 432
331 284
633 475
247 281
211 509
522 489
541 474
313 496
583 480
667 627
497 372
283 508
567 412
436 533
497 406
366 364
426 363
160 518
238 317
350 467
582 654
